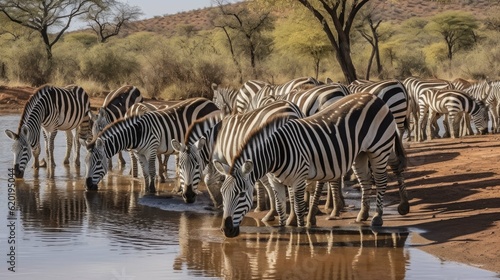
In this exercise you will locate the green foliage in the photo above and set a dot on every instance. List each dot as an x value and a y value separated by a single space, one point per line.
110 66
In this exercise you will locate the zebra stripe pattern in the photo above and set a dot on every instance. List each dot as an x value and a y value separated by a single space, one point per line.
114 107
245 98
393 93
482 91
193 159
453 103
358 130
51 109
414 86
225 98
149 135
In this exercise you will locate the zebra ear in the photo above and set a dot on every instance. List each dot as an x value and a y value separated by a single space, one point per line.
99 143
200 143
214 86
247 167
222 168
24 131
178 146
11 134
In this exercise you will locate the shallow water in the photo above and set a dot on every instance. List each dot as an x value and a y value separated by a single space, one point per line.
63 232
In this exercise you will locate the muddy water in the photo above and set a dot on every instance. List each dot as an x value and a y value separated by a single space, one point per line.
60 231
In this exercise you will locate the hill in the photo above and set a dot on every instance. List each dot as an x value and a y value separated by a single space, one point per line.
396 11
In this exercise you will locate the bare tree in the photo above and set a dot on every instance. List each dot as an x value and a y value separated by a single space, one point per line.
50 18
247 27
107 20
368 28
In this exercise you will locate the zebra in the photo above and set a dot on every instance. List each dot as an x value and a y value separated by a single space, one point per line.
147 135
450 102
358 130
221 142
225 98
414 86
393 93
482 91
49 109
193 159
251 88
114 107
495 93
460 84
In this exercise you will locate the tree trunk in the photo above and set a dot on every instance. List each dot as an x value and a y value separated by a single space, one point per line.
370 61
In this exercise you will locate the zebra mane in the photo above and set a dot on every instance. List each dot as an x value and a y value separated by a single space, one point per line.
202 125
261 133
32 101
118 123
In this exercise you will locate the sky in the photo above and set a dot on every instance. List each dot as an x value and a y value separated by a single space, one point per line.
152 8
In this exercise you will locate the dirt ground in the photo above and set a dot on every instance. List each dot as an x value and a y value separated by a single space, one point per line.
454 190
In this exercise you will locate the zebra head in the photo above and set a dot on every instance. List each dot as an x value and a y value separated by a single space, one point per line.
480 117
237 196
21 149
96 162
190 167
220 100
99 122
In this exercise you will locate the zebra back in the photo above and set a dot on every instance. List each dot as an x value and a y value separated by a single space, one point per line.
117 102
393 93
247 91
460 84
479 91
235 129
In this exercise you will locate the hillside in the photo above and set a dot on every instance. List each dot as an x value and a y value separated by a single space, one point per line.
394 10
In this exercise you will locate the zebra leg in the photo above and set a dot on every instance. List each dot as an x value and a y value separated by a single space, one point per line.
42 162
361 169
453 126
77 146
313 205
50 155
398 168
280 196
272 200
430 119
145 164
152 172
420 128
36 156
260 196
299 203
69 146
292 217
133 165
162 168
338 203
329 200
121 160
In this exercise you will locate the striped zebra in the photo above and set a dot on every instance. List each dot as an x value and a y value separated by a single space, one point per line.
460 84
222 141
114 107
453 103
225 98
50 109
482 91
251 88
193 159
147 135
358 130
393 93
495 92
414 86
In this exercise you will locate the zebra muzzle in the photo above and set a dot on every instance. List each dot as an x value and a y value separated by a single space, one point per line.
189 195
228 228
18 173
89 184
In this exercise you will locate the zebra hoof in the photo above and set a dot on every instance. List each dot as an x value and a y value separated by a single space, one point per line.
377 221
66 162
404 208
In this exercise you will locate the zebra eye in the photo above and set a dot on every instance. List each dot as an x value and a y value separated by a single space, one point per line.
242 194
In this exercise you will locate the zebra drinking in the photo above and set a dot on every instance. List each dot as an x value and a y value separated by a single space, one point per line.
147 135
50 109
358 130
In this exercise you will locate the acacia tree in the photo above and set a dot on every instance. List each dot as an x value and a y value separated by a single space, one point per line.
50 18
336 18
244 28
456 28
107 19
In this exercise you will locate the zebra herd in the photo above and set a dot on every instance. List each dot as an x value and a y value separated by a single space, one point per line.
289 139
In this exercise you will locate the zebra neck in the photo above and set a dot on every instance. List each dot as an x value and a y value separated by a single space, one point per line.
124 135
33 120
263 154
